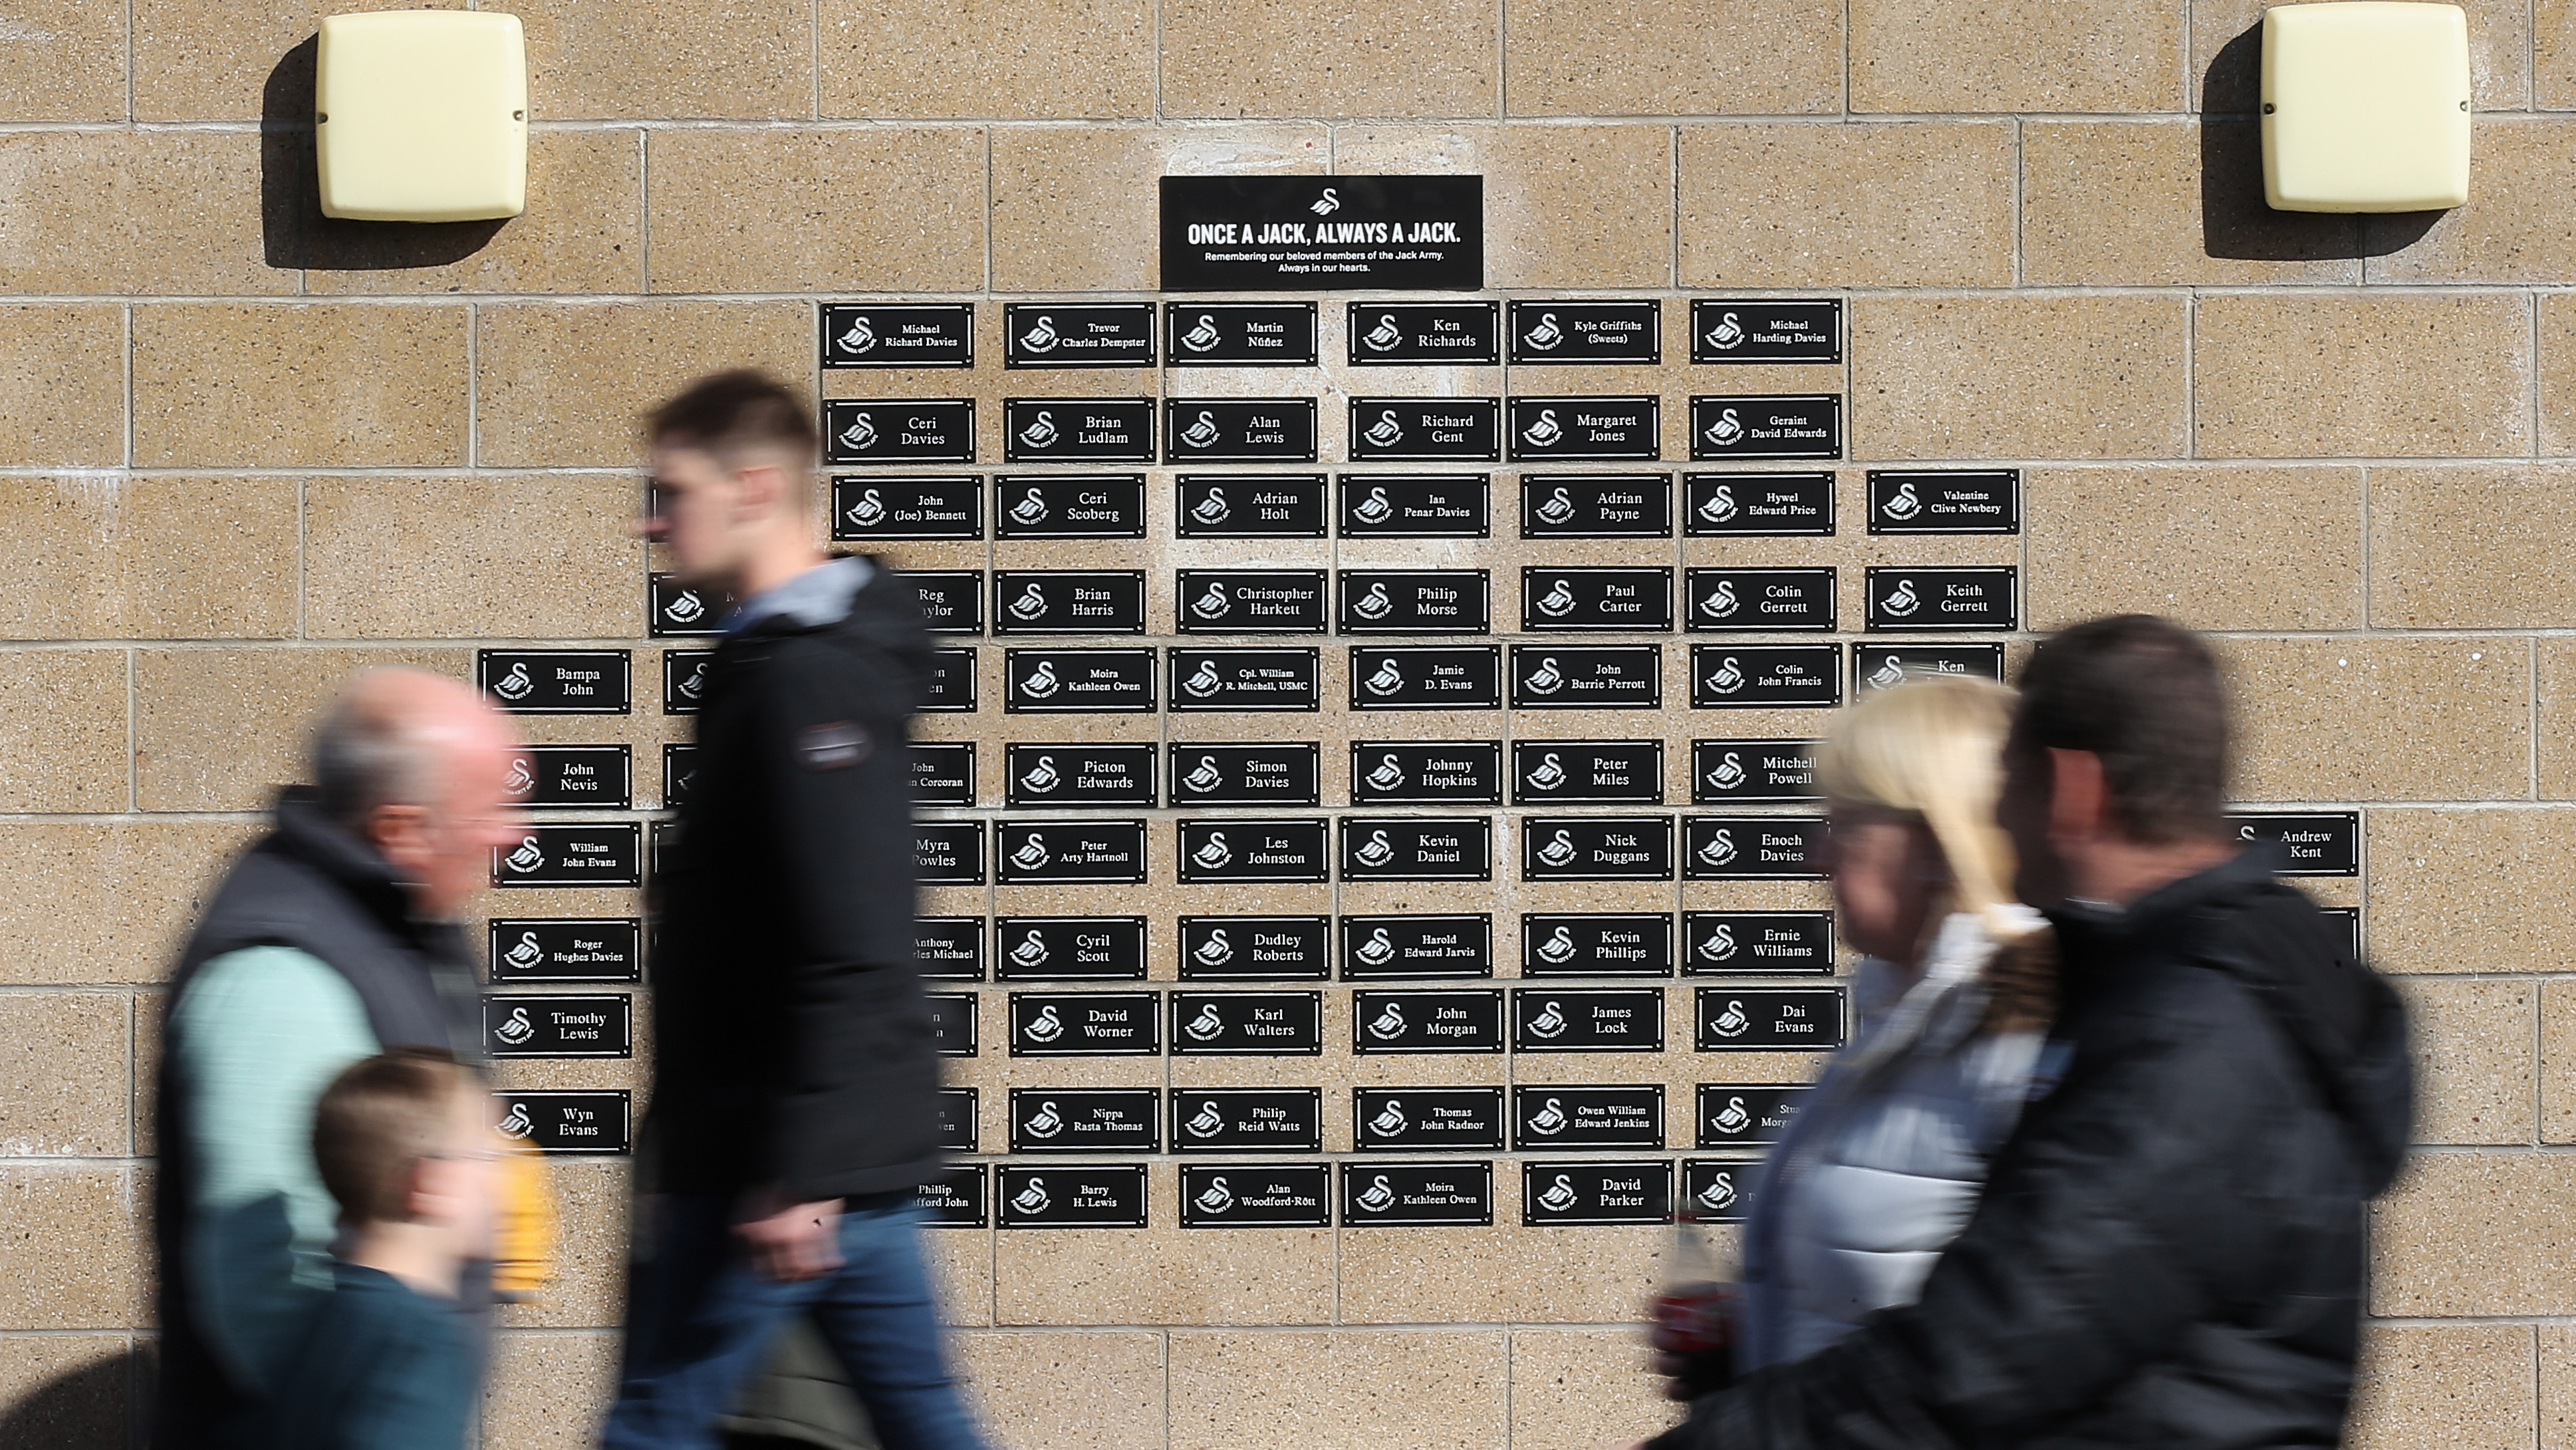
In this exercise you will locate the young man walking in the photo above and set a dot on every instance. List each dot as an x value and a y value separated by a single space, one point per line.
794 1082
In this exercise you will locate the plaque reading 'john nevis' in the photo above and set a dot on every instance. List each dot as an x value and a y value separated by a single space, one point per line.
572 777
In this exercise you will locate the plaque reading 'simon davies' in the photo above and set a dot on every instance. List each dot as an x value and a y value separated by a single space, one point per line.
1285 774
1307 233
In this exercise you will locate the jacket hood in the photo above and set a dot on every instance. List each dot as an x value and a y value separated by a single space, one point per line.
884 618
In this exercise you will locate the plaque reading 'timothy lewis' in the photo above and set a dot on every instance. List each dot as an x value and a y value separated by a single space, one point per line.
898 430
1407 334
607 853
1588 772
1597 944
598 1026
1466 430
1246 679
898 334
1928 599
1286 774
1078 681
1095 506
1733 1019
1758 505
1250 506
923 506
1597 506
1077 334
1550 330
555 681
1307 233
1239 334
1587 677
1231 430
1766 677
558 950
1250 601
1801 426
1427 678
1256 948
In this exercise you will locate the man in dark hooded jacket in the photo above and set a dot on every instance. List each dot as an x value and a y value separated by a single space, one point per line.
2169 1248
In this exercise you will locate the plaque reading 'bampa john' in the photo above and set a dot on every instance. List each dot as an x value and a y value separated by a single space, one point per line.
606 853
1760 330
1758 943
923 506
1735 1018
1426 772
1090 1196
953 1023
1597 944
954 1197
1086 1120
1078 334
1417 848
949 688
1256 948
1597 506
1285 774
1232 430
555 681
1078 430
1262 1195
898 334
2311 843
1798 426
684 679
1878 667
674 610
1760 601
1945 501
1250 506
572 777
1587 677
586 949
1554 330
1223 851
898 430
1246 679
1415 601
1426 1022
1427 678
948 948
1927 599
960 1125
1597 848
1239 334
568 1121
1077 774
1247 1024
942 772
1305 233
1596 600
1586 428
948 853
1420 1195
1758 505
1589 772
1463 430
1085 1024
1249 601
1068 853
1426 1120
1074 506
1552 1019
1247 1120
951 601
1766 677
1420 505
1068 601
1586 1194
1069 948
1754 848
1412 334
1394 948
1724 772
1747 1115
1559 1119
1078 681
592 1026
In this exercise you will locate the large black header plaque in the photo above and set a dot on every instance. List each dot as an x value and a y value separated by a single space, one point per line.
1323 233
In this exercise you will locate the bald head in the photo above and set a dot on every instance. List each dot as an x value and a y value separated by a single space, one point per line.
416 765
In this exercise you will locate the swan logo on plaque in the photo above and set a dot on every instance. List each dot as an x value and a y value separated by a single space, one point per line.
1627 772
1554 1019
1943 599
1762 330
1604 944
1760 677
1085 1024
898 430
1219 851
1754 848
1749 1018
1596 600
1426 677
1758 943
1279 1195
1069 948
1078 506
1426 1119
558 950
949 506
1247 1120
601 854
1238 775
556 682
1945 501
1247 1024
1797 426
1604 333
1426 1022
898 334
1759 600
1086 1120
1241 334
567 1121
1550 1118
1569 1194
1394 334
1758 505
684 680
1077 334
1749 1116
1085 1196
1417 1194
1075 775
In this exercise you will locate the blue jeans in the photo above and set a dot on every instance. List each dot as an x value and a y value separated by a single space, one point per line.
699 1320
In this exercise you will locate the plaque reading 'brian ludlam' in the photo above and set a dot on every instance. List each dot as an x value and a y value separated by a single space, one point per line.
1307 233
1078 430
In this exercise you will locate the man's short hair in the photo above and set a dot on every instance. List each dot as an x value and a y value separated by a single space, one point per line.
378 1118
369 752
2146 696
727 412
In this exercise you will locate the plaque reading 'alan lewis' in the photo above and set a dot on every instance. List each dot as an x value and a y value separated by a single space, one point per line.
595 1026
1310 233
555 950
555 681
568 1122
607 853
1228 430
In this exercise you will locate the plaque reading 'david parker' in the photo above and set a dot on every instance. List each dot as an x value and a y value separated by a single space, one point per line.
1250 506
1426 1120
555 681
898 430
1078 334
684 679
1596 600
948 853
606 853
1597 848
942 772
1394 948
960 1128
1068 853
1952 501
1766 677
1415 601
1224 851
1754 848
1724 772
1747 1115
2312 843
1552 1019
1426 678
1760 601
1075 775
1417 848
1426 772
951 601
1596 944
1304 233
1072 506
1249 601
1417 1195
1247 1120
677 611
1267 1195
1069 948
1586 428
954 1197
948 948
1552 330
1090 1196
1426 1022
1878 667
1078 430
1230 680
572 777
1068 601
1758 505
1232 430
568 1121
1587 677
1718 1190
1086 1120
1589 1194
1558 1119
1247 1024
588 949
1256 948
1597 506
1084 1024
953 1023
596 1026
1733 1018
1462 430
1758 943
1239 334
1759 330
898 334
1800 426
1078 681
1588 772
1411 334
1286 774
1417 505
1928 599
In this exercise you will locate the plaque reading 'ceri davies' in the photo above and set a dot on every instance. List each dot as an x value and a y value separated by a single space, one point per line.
1765 330
1077 774
1068 601
1587 1194
1587 677
1228 680
1078 681
1597 848
572 777
1724 772
1426 678
1307 233
1086 1120
948 853
1417 848
1796 426
1220 851
1414 601
1596 944
1247 1120
607 853
1394 948
1257 1195
1069 506
1739 1018
1945 501
1560 330
1596 600
1090 1195
1426 1022
1249 601
1236 430
1754 848
1286 774
898 334
568 1121
1413 334
1256 948
1247 1024
1078 334
1759 601
1885 666
555 681
942 772
1085 1024
588 1026
586 949
949 687
1554 1019
1069 948
2308 843
1560 1119
1250 506
1930 599
1758 505
1758 943
951 601
898 430
1426 772
1239 334
684 679
1389 1195
1747 1115
1418 505
1426 1119
921 506
1587 428
948 948
1068 853
1464 430
1597 506
1766 677
1078 430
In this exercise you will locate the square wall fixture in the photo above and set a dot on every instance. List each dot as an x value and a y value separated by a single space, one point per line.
422 116
2365 106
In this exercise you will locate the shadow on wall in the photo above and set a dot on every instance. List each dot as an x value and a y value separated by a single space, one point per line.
294 233
81 1409
2234 222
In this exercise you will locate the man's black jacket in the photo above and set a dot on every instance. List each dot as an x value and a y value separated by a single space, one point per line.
791 1040
2169 1249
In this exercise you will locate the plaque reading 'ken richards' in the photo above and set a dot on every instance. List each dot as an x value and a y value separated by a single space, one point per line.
1247 1120
1077 334
1411 334
1309 233
1758 943
555 681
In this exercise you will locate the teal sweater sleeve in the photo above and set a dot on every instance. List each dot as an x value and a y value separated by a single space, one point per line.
261 1033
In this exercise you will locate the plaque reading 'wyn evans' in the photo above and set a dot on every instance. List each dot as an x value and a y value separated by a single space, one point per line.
954 1197
1392 948
601 1026
1079 506
1053 853
944 506
1239 334
959 1114
942 772
1420 506
1596 600
1246 679
589 949
1748 1115
1427 678
1403 334
1586 428
1078 430
1420 772
1074 775
1090 1196
555 681
1587 677
1758 943
1069 948
1426 1120
1247 1120
1597 944
1597 506
1250 506
1926 599
1315 233
1757 330
1735 1018
948 948
2315 843
568 1122
1556 1119
1954 501
1754 848
1084 1024
898 430
1267 1195
1417 848
1256 948
1247 1024
950 688
1415 601
1078 681
1548 330
680 611
1758 505
684 679
951 601
1086 1120
1570 1194
1878 667
1766 677
1592 772
1724 772
1221 851
1287 774
1068 601
1463 430
1552 1019
1804 426
1718 1190
1424 1022
898 334
948 853
1078 334
1228 430
1249 601
1760 601
952 1023
1391 1195
602 854
1597 848
572 777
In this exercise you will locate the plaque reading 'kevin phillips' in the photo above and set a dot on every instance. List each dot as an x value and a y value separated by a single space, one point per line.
1464 430
1073 506
1074 775
1412 334
1392 948
1587 677
1597 506
607 853
1220 852
1597 848
1585 1194
1799 426
1247 1120
555 681
1605 429
1758 505
1229 680
1426 772
588 949
1744 1018
898 430
572 777
1418 505
898 334
1427 678
1231 430
1068 853
1929 599
1256 948
921 506
1553 1019
1596 944
1426 1022
1554 330
1557 1119
590 1026
1249 601
1766 677
1078 334
1594 600
1588 772
1725 772
1069 948
1247 1024
1078 430
1758 943
1762 330
1754 848
568 1121
1759 601
1068 601
1250 506
1239 334
1286 774
1078 681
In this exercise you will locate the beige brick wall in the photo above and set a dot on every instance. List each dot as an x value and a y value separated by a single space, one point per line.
244 451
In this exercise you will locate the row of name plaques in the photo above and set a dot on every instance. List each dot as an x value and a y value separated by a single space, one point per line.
1540 331
1373 1195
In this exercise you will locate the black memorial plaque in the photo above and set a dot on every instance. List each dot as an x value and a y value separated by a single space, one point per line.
556 681
591 1026
917 506
1399 948
568 1121
1426 1120
1078 430
1587 677
1286 774
1426 678
1239 334
1217 852
1417 848
1250 506
1753 848
953 1023
1597 506
1728 772
1417 1195
1416 505
1740 1018
1068 853
960 1119
1256 948
1930 599
1806 425
1555 330
948 853
1092 1195
1758 505
1757 943
1307 233
1426 1022
2347 921
1232 680
948 948
1426 772
680 775
1596 944
1069 506
1086 1120
1077 334
1074 775
1435 430
1069 948
1085 1024
1552 1019
1414 334
951 600
1597 848
1250 601
1718 1190
1259 1195
1247 1024
950 688
898 430
1568 1195
1596 600
1578 428
1068 601
585 949
1746 1115
898 334
1239 430
1766 677
943 773
2309 843
955 1197
1587 772
1764 330
1945 501
1759 601
1414 601
1078 681
572 777
1247 1120
1554 1119
682 611
604 853
1884 666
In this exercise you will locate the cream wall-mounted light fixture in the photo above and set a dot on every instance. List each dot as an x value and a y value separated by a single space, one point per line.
2365 106
422 116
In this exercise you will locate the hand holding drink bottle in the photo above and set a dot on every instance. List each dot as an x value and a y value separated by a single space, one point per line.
1692 1331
